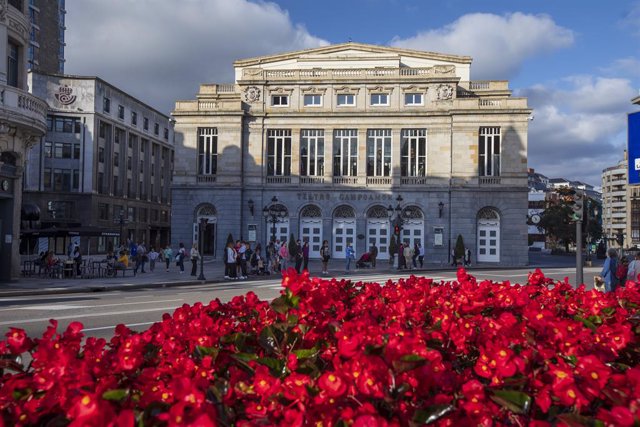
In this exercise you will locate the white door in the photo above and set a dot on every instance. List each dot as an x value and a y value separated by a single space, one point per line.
311 231
344 231
282 230
378 233
488 241
412 232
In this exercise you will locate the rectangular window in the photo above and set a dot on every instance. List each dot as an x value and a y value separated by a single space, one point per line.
412 99
413 152
312 152
489 150
345 152
103 211
166 133
379 152
102 132
61 180
62 150
76 179
279 152
115 185
100 182
346 99
313 100
280 100
76 151
207 151
134 118
106 105
101 155
65 124
156 129
129 163
48 149
13 68
379 99
145 123
116 159
47 179
131 214
121 112
118 135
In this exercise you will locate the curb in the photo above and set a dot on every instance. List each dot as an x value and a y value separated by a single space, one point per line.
15 292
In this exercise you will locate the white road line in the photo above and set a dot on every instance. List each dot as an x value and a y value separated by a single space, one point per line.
72 307
128 325
80 316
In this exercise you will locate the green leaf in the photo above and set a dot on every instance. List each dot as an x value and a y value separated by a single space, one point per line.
596 320
575 420
306 353
372 349
280 305
202 351
245 357
515 401
294 301
117 394
408 362
589 324
292 320
277 366
268 340
608 310
431 414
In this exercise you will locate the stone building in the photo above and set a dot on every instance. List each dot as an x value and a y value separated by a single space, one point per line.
337 142
22 122
614 203
103 170
46 39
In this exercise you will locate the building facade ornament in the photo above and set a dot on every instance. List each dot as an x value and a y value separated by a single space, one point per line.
3 10
444 92
252 94
65 95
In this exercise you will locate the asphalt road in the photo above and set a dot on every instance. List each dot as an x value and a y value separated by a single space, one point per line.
100 312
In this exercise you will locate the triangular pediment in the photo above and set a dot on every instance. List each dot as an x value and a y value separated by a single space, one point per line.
351 51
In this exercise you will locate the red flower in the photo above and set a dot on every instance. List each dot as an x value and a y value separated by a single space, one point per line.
18 341
332 384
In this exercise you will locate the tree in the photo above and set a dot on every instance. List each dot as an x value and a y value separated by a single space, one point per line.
229 239
556 222
459 250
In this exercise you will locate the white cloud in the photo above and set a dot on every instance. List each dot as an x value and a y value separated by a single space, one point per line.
632 18
161 50
499 45
580 127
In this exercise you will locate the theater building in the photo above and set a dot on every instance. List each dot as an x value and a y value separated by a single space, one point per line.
338 142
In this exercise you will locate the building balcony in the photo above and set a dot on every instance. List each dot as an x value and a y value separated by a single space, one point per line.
311 180
489 180
378 73
375 181
23 110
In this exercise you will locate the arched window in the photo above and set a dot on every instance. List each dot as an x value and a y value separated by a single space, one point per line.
412 212
344 211
311 211
377 212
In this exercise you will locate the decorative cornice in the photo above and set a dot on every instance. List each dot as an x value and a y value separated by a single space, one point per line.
280 91
381 89
415 88
346 89
314 90
3 10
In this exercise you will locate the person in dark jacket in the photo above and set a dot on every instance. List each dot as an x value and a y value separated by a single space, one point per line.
608 272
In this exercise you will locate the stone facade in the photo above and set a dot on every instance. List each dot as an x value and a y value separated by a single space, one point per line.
402 108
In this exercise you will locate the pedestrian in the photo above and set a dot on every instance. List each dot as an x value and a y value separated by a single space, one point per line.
325 254
634 268
77 258
408 255
373 254
231 256
416 253
305 255
284 256
421 254
350 255
168 256
153 256
141 257
609 269
298 257
454 260
467 257
182 253
402 262
195 256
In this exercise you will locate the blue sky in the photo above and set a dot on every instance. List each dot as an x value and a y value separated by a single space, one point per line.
578 62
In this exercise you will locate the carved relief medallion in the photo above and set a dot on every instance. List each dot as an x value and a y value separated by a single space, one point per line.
444 92
252 94
65 95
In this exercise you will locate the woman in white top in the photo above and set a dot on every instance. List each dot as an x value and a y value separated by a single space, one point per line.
231 256
195 256
153 256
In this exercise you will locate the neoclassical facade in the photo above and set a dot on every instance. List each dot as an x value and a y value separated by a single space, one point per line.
336 143
22 123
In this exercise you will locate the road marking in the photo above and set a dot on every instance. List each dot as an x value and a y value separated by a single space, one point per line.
79 316
128 325
71 307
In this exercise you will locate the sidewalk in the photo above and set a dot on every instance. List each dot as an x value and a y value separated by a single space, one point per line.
213 272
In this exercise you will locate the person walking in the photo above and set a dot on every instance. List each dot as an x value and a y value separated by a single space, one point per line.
402 262
77 259
305 256
633 270
349 254
325 255
454 260
408 255
415 254
284 256
608 272
373 254
195 256
182 253
467 257
298 256
141 257
168 256
231 256
242 258
153 256
421 254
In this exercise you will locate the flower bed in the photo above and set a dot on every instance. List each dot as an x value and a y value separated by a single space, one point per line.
336 353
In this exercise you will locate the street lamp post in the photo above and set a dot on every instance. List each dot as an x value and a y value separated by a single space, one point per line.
203 225
274 212
121 221
396 223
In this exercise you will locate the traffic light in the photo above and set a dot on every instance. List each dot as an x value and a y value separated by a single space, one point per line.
577 207
620 239
396 230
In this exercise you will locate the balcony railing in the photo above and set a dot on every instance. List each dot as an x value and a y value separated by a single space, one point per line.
413 180
206 179
347 73
312 180
489 180
26 108
345 180
379 180
278 180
